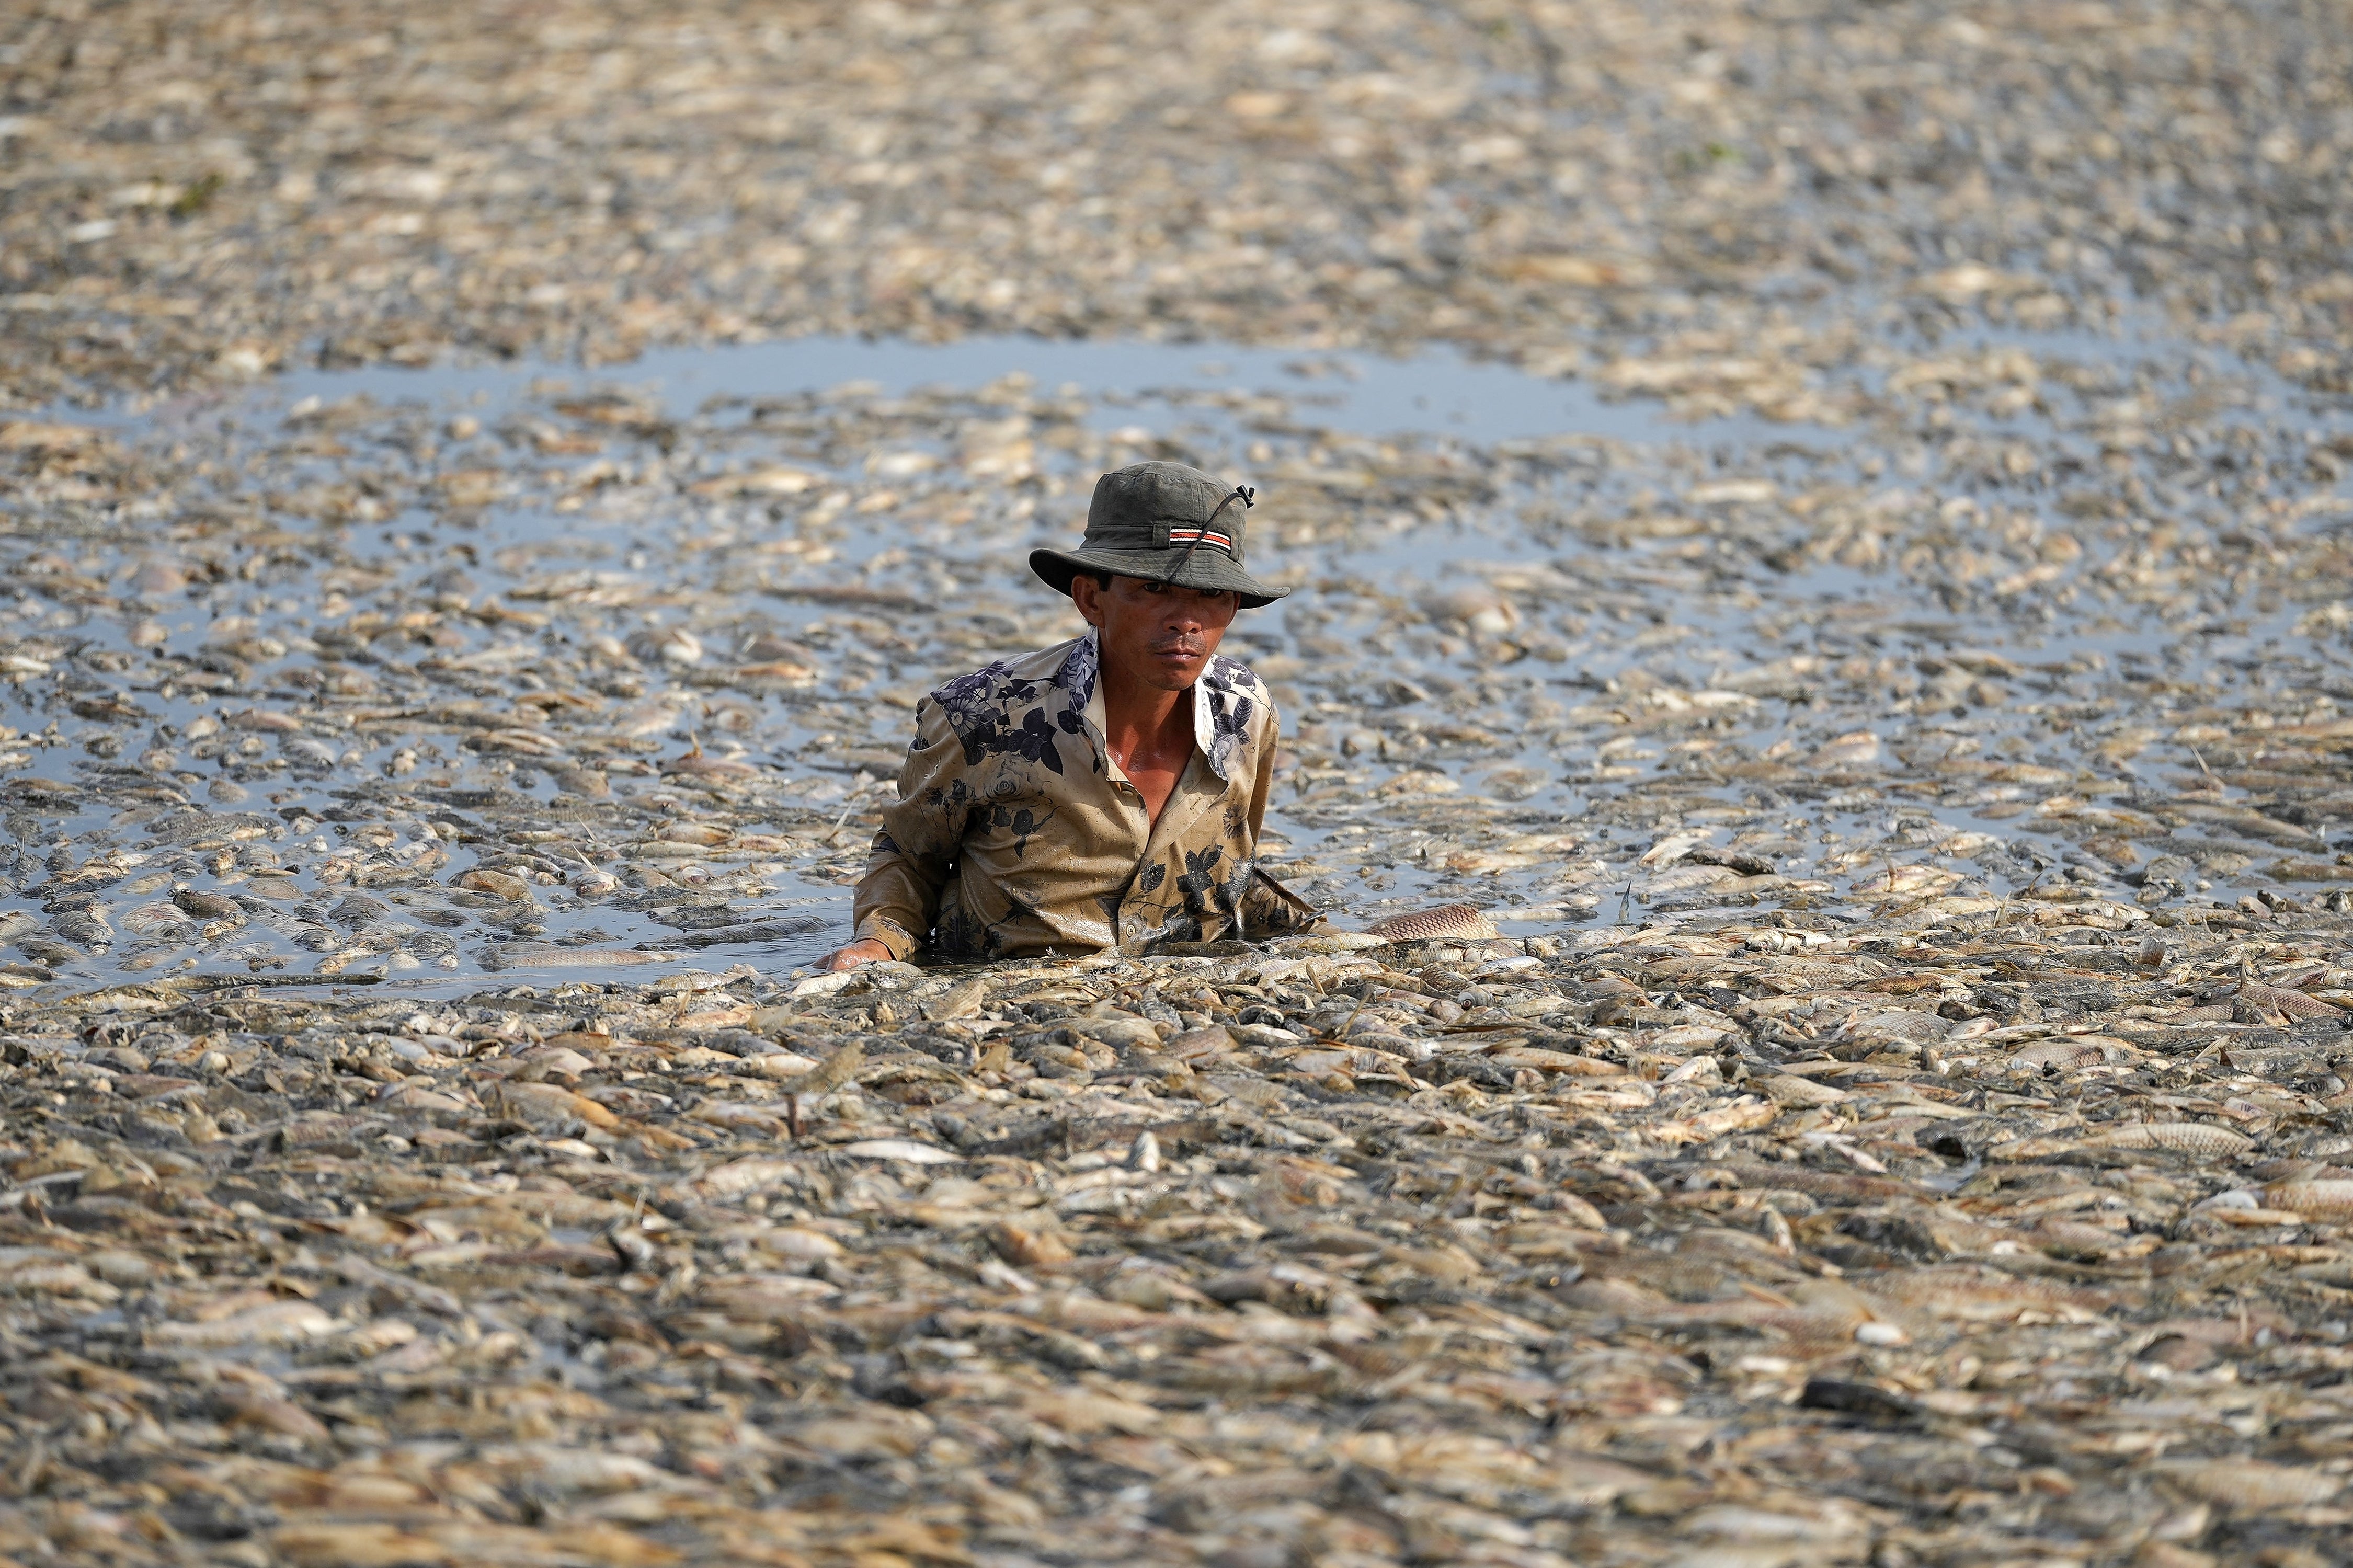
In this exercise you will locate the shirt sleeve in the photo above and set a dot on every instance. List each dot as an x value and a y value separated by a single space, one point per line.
1267 906
1263 785
898 899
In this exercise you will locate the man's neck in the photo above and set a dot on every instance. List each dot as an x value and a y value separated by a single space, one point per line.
1136 714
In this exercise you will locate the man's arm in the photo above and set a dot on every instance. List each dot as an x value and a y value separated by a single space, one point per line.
899 896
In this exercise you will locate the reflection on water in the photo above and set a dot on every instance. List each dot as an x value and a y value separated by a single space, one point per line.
1439 392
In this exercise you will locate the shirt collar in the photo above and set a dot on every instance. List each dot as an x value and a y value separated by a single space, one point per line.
1080 677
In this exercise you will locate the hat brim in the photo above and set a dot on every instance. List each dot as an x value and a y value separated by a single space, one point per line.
1207 571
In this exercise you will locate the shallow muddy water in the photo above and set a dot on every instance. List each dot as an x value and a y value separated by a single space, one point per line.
648 639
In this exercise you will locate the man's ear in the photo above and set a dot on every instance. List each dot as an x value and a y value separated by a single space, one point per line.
1087 595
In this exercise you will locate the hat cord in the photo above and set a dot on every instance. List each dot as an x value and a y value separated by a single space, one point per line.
1242 493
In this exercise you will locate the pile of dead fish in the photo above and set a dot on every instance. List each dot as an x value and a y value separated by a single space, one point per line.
1662 198
1749 1242
1892 1107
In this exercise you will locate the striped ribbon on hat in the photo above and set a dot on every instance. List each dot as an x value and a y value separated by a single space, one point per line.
1209 536
1193 538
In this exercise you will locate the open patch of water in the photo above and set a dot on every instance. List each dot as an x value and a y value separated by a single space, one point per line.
1439 392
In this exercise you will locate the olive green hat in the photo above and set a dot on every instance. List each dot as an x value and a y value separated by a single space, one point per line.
1166 523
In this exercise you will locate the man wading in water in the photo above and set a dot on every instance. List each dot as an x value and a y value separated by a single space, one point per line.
1106 791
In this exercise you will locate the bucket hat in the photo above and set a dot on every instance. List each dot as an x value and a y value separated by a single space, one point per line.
1163 522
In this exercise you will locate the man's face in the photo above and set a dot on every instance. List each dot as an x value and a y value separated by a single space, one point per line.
1155 633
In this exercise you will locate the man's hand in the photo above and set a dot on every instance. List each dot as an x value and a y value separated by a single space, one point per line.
857 953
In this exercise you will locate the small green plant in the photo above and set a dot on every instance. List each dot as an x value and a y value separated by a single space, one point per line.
196 196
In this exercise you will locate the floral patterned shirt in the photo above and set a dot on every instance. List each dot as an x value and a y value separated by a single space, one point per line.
1015 833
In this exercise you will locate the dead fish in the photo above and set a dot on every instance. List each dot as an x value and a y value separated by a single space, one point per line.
1860 749
1344 942
904 1149
280 1323
669 644
2285 1002
2331 1201
830 1074
278 1415
500 884
776 672
961 1002
835 1072
2060 1055
549 955
1461 922
780 1065
2175 1137
1973 1294
2249 1484
1790 1090
695 765
207 905
1898 1026
753 1173
592 882
750 931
